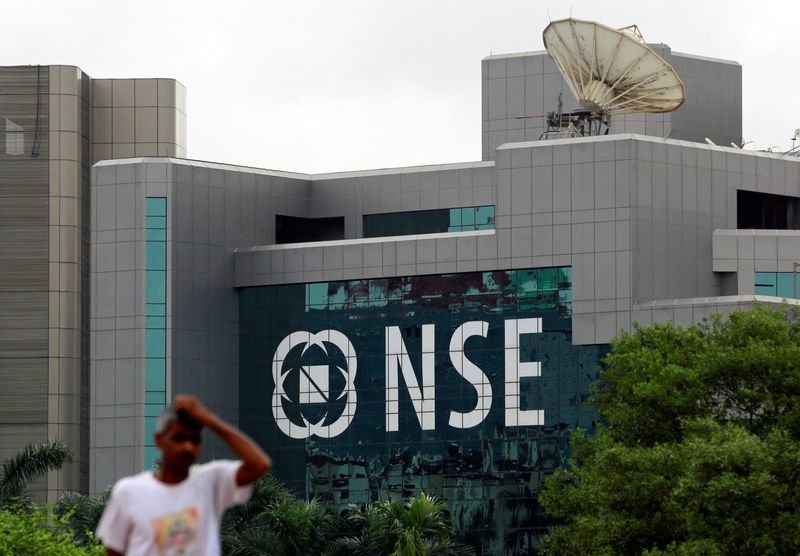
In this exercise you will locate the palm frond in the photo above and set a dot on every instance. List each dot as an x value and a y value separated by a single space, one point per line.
33 462
253 541
82 513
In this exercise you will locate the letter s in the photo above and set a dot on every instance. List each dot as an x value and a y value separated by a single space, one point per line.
472 373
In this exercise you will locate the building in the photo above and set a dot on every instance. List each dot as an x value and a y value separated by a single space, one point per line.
436 328
433 328
56 121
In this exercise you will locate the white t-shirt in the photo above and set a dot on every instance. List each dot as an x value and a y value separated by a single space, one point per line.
145 516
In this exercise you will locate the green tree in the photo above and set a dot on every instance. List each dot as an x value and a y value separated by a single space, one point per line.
242 532
417 528
33 462
276 523
700 450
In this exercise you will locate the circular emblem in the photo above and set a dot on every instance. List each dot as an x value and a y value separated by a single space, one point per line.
313 384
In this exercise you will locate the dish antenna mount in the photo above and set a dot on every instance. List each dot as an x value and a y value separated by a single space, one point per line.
609 71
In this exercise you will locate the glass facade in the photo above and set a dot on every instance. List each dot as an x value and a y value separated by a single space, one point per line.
464 386
778 284
155 319
434 221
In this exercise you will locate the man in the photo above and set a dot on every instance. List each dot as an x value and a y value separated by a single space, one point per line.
177 509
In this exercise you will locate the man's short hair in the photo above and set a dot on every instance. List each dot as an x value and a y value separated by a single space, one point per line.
169 416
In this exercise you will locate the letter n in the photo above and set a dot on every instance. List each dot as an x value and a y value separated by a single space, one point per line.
397 361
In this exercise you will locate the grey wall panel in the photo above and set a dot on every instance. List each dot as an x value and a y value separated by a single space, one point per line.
22 401
24 269
712 109
14 435
211 210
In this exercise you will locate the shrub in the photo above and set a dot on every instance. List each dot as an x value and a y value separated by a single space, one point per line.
33 530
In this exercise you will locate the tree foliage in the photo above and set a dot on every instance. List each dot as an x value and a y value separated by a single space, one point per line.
29 530
276 523
82 513
33 462
273 522
416 528
700 450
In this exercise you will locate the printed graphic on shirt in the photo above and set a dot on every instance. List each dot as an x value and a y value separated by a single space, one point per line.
176 534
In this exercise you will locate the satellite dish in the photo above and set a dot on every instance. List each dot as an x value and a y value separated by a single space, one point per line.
612 71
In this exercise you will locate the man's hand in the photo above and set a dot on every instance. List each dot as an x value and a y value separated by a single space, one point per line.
192 408
254 461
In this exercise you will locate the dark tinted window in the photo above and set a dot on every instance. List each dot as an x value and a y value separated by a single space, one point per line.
434 221
765 211
292 229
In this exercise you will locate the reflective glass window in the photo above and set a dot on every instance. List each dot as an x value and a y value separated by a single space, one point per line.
156 255
468 218
366 461
153 409
155 317
151 455
155 374
155 342
156 206
156 399
156 235
455 218
429 221
155 322
155 310
784 285
484 217
156 286
766 283
157 222
150 424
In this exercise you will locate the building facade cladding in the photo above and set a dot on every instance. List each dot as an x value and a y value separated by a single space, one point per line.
632 215
51 134
529 83
24 257
213 209
749 258
630 219
210 210
138 117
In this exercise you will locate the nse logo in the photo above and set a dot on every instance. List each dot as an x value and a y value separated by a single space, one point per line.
314 381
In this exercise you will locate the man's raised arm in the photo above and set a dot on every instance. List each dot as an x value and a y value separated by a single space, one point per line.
254 461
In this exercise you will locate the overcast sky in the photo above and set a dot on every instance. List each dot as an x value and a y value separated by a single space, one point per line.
346 85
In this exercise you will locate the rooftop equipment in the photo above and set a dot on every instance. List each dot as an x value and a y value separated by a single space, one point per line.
609 71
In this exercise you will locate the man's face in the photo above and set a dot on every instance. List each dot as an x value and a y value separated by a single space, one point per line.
180 446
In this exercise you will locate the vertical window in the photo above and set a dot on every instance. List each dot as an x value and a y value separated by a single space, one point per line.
155 320
468 218
15 139
484 217
455 220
